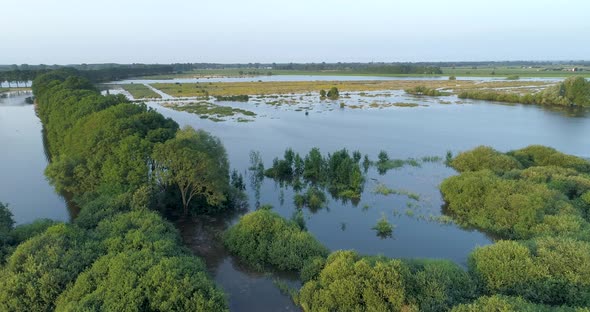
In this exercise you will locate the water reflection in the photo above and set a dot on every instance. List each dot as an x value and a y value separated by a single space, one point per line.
22 162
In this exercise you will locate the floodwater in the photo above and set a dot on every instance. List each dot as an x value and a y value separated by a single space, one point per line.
436 126
22 163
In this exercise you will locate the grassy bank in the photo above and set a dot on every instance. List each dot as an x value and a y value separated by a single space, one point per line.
140 91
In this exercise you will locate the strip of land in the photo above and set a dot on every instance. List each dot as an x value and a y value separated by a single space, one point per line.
303 87
140 91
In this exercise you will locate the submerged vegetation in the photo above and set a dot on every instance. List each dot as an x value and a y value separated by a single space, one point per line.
340 173
208 110
263 238
422 90
383 227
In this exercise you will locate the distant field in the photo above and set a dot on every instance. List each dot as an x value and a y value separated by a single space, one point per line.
303 87
140 91
460 71
517 71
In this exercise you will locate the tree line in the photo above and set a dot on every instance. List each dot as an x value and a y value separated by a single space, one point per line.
22 75
121 162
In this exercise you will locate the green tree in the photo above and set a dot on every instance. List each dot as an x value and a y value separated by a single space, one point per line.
196 162
349 282
41 268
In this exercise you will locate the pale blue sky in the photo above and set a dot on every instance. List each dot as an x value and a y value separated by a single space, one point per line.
234 31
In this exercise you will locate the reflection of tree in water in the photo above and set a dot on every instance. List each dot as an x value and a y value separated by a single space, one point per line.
256 175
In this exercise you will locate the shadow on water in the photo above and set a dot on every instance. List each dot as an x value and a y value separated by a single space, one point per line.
248 289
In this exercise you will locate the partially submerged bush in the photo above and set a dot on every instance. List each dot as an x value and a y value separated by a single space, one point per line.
263 238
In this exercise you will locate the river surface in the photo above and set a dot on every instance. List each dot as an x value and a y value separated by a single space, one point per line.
22 163
432 129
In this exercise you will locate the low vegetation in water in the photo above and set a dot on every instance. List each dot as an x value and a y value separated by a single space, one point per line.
340 172
422 90
233 98
383 228
573 91
262 238
382 189
209 110
140 91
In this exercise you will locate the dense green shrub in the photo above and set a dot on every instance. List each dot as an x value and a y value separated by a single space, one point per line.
538 155
138 230
509 208
6 226
41 268
349 282
484 157
508 304
548 270
312 268
25 231
140 281
438 285
422 90
262 238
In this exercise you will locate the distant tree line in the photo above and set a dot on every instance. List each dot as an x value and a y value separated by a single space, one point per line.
21 75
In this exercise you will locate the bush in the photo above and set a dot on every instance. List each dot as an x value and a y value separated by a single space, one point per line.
349 282
141 280
438 285
503 303
312 268
538 155
138 230
41 268
548 270
263 238
508 208
25 231
333 93
484 157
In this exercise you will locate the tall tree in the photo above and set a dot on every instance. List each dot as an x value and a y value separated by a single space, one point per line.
197 163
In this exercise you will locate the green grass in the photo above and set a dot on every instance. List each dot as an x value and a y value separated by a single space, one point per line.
211 111
384 190
140 91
